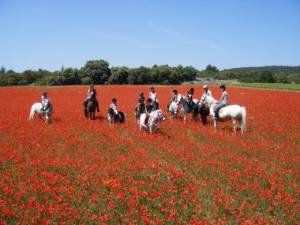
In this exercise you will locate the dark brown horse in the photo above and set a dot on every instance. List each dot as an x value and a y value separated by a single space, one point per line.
204 112
90 110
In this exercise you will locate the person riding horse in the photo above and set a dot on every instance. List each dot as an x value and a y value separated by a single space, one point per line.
175 97
140 107
149 108
113 112
153 97
189 98
45 101
204 108
91 96
223 101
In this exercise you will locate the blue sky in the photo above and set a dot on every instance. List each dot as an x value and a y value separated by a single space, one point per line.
225 33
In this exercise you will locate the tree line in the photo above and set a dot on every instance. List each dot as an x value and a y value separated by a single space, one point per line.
99 72
264 74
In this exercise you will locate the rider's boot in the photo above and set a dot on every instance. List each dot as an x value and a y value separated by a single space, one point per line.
217 115
97 107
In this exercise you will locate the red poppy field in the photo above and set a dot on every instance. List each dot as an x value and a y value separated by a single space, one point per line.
78 171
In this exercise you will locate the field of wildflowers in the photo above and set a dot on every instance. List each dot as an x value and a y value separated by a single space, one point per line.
78 171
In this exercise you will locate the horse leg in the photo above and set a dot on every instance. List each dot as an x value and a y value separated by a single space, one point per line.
241 126
31 114
215 124
47 120
185 116
141 126
234 125
203 119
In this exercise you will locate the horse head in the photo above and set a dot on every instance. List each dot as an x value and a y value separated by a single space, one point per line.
157 115
210 100
160 115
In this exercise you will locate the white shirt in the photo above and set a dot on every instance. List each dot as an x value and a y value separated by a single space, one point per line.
45 100
114 107
205 94
178 98
152 96
224 98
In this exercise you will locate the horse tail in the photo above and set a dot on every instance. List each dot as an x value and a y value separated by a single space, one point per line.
244 118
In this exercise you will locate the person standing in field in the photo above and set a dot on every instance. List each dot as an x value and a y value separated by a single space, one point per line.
223 101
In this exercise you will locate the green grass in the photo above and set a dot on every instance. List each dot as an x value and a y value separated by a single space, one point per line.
277 86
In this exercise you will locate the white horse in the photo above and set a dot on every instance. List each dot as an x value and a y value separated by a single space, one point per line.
234 112
37 108
154 117
182 105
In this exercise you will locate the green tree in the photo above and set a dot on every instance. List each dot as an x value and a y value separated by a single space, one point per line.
266 77
212 69
70 76
118 75
97 70
2 70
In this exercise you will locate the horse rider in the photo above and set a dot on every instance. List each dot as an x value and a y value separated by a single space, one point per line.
140 107
206 93
204 108
175 97
148 109
223 101
189 97
153 97
45 101
91 96
113 109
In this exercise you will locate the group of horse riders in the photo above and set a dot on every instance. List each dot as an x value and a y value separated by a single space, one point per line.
223 101
151 103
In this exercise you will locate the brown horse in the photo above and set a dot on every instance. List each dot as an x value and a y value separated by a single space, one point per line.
90 110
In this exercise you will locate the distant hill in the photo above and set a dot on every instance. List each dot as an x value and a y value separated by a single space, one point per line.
273 69
261 74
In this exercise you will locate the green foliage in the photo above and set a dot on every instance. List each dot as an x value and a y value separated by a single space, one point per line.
267 74
279 86
2 70
119 75
99 72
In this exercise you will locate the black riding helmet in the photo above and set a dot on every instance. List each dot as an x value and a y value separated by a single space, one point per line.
114 100
191 91
174 91
222 86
